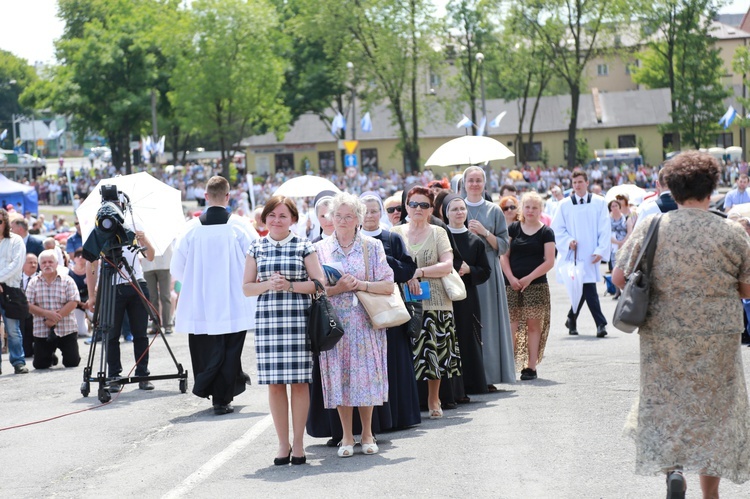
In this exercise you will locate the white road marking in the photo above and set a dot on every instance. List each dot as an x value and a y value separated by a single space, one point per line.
219 459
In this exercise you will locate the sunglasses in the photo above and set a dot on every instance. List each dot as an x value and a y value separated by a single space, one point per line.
393 208
415 205
511 207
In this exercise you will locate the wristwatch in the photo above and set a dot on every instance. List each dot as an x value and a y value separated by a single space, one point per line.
291 287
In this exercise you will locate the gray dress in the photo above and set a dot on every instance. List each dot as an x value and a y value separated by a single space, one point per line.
497 349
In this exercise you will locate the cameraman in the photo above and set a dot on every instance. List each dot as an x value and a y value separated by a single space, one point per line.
127 301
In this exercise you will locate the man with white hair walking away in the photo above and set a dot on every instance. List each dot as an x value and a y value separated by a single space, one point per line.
209 261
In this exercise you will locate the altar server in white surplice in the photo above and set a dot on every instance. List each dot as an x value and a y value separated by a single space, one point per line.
582 228
209 261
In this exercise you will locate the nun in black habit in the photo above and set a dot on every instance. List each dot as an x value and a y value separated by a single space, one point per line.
475 269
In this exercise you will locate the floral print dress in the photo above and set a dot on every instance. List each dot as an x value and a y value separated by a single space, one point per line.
355 372
692 411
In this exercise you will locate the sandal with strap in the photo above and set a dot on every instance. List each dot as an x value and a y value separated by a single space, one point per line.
345 450
436 413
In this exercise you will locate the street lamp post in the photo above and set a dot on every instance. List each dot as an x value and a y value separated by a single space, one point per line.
350 67
480 59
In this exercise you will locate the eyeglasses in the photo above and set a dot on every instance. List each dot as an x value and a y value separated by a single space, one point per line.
393 208
510 207
415 205
347 219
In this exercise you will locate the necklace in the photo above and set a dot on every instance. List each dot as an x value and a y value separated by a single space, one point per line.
348 245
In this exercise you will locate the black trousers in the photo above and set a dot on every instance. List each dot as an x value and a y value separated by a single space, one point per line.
27 328
592 300
128 302
44 350
217 365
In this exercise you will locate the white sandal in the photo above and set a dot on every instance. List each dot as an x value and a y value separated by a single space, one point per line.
346 450
370 449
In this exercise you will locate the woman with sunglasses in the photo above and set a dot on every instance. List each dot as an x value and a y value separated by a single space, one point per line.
435 351
509 205
486 220
393 208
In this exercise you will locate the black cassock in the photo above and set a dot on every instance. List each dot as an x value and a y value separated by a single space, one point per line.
402 408
467 315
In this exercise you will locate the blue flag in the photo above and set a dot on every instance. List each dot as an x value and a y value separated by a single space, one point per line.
496 122
728 117
366 123
465 122
338 123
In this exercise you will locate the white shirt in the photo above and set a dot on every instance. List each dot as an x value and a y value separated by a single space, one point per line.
209 261
589 225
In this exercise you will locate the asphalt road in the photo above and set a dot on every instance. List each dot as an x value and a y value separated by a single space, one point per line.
557 437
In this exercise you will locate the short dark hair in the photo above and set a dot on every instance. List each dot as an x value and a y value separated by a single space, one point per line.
507 187
691 175
421 191
275 201
614 201
580 173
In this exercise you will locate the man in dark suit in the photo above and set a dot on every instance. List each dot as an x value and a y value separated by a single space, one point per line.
21 227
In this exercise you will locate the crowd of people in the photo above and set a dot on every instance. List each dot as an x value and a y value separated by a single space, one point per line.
410 234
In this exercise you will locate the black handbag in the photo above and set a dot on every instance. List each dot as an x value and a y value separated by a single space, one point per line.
632 305
14 302
414 326
323 326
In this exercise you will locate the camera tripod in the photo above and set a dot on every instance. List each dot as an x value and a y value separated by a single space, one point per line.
104 320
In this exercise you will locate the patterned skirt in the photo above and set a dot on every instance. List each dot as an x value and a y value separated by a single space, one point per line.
533 303
692 409
436 351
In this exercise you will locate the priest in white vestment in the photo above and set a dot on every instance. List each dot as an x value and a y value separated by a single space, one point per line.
209 261
583 231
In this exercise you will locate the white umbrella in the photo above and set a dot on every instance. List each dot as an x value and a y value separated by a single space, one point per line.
157 208
468 150
305 186
634 193
571 275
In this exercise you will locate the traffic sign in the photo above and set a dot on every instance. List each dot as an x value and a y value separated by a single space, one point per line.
40 142
350 160
351 172
351 146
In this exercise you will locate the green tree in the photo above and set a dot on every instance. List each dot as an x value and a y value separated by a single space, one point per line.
15 75
470 26
387 41
107 70
571 33
228 76
681 55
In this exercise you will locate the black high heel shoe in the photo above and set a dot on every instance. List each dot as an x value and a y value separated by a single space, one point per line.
280 461
299 460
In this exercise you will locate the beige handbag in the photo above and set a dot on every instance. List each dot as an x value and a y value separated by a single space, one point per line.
384 310
454 286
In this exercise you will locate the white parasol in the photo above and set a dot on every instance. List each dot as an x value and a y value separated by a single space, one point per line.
305 186
468 150
571 275
157 208
634 193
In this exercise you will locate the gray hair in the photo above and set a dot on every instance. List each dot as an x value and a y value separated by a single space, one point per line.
353 202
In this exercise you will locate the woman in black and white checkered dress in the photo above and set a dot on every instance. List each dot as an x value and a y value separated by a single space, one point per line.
278 270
